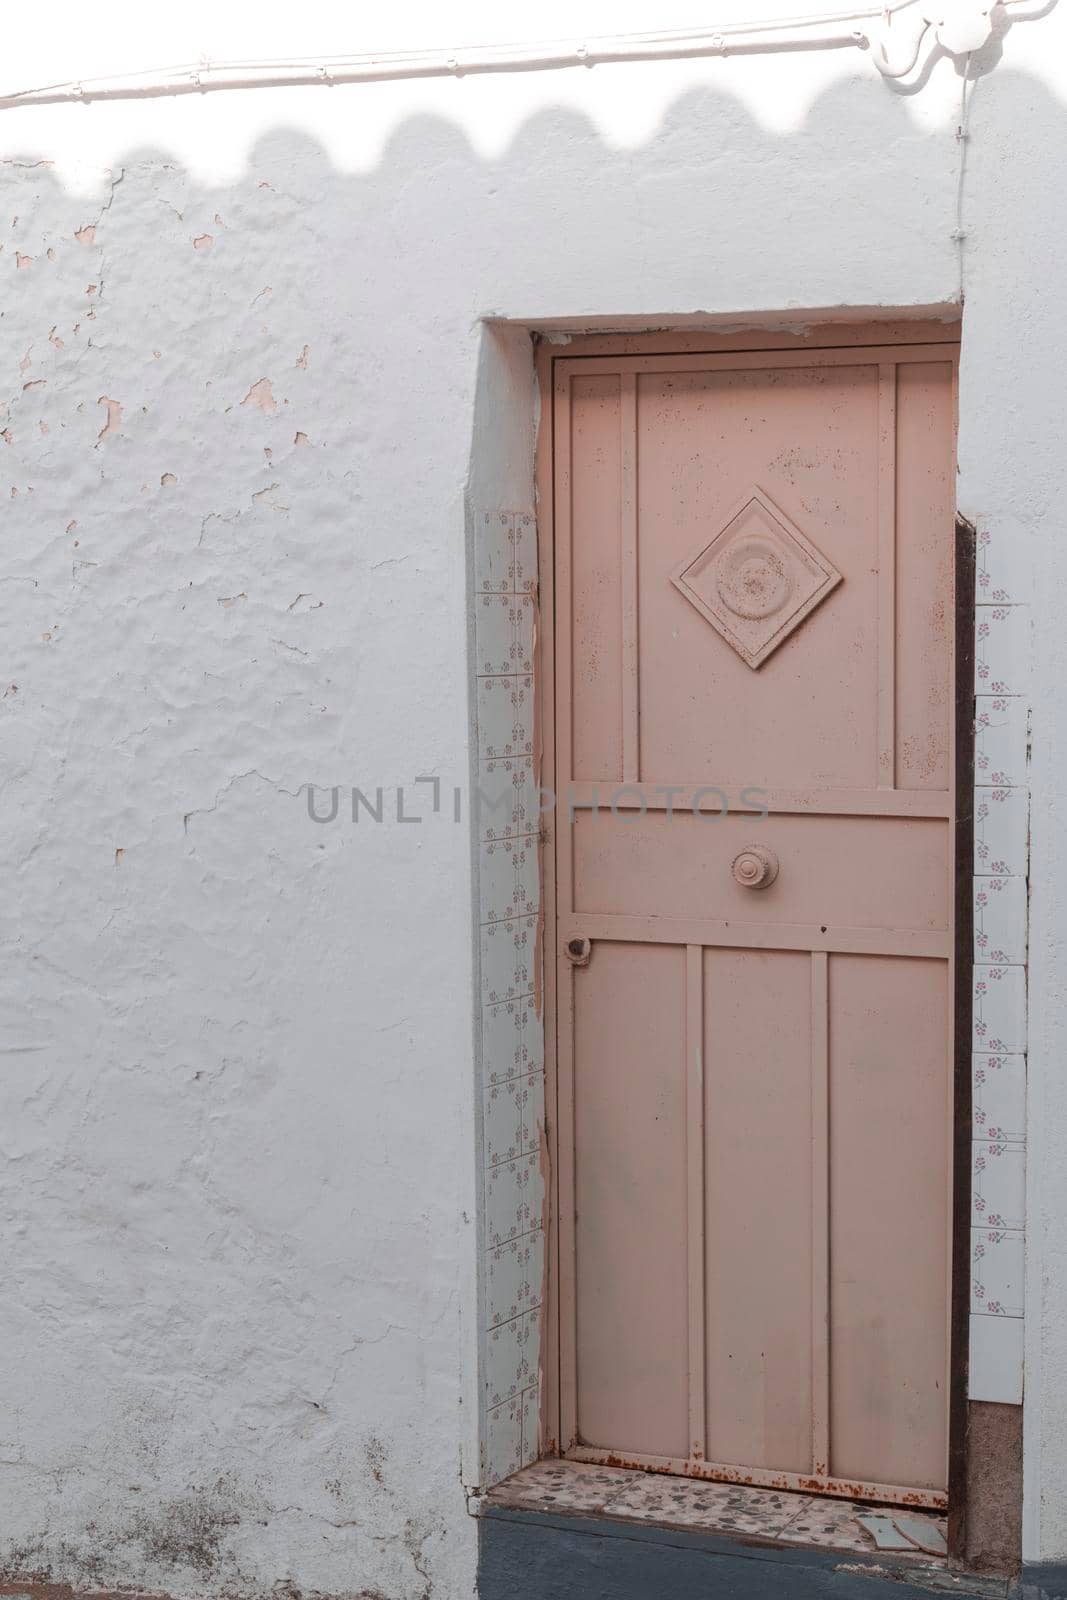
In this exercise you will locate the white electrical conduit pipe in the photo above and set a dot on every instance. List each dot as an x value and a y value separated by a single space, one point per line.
828 30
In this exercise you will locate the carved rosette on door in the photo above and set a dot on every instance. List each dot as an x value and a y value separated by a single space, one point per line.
757 579
753 567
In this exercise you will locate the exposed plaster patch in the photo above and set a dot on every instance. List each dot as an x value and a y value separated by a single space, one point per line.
55 340
302 358
5 434
167 479
300 438
87 234
114 417
203 241
22 262
34 383
261 395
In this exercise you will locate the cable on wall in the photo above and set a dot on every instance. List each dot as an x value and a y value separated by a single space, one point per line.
894 33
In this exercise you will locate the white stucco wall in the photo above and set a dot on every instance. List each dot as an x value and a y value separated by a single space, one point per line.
239 350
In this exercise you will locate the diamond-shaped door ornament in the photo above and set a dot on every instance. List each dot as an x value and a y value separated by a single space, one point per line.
757 579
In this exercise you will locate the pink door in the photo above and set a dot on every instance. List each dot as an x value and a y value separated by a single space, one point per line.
752 711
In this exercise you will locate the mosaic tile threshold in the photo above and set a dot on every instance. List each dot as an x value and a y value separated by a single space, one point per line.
768 1516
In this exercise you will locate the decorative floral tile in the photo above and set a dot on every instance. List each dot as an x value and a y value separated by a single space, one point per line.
999 1009
997 1272
505 716
534 1319
1002 650
513 1198
1001 578
533 1037
996 1360
503 1444
998 1185
509 877
509 950
1001 832
527 855
514 1278
507 1370
494 551
494 634
1000 739
531 1425
998 1097
524 620
502 1133
503 1054
525 559
532 1105
497 880
508 801
1000 919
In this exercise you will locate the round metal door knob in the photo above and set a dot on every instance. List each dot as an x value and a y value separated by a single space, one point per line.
755 867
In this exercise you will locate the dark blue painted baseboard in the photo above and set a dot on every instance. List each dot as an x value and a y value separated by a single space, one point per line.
1043 1580
530 1556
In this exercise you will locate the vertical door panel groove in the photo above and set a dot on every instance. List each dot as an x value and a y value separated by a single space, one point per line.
631 739
564 677
694 1149
887 575
820 1214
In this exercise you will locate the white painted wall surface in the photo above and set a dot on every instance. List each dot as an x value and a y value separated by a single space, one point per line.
239 341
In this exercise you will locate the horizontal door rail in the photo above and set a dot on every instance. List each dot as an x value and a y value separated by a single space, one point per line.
751 360
923 943
711 799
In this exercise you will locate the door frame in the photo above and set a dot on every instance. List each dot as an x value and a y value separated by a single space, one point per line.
891 332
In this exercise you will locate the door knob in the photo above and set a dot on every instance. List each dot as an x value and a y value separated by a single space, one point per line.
755 867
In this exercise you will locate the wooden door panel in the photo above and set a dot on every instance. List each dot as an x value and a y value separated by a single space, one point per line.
844 872
631 1261
753 562
596 576
758 1200
808 438
925 508
890 1119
